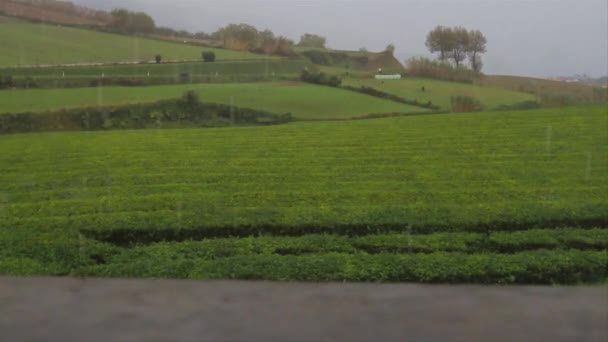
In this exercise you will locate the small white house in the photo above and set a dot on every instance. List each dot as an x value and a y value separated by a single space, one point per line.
388 77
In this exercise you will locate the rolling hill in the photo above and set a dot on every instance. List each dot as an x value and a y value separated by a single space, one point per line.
440 92
551 90
43 44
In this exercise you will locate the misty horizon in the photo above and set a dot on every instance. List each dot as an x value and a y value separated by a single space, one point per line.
527 38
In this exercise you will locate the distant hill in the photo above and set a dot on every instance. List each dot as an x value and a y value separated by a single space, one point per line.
61 12
355 60
550 90
25 44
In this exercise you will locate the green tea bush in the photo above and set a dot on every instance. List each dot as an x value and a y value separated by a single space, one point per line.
539 267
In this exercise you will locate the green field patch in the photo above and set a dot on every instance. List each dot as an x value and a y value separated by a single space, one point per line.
43 44
303 102
145 74
440 92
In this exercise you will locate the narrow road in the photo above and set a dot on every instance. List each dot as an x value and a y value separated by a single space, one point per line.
66 309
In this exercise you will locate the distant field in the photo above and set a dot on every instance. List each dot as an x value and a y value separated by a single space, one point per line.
303 101
262 67
541 87
41 44
440 92
316 201
356 61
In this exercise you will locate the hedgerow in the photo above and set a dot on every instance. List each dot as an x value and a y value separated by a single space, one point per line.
170 113
537 267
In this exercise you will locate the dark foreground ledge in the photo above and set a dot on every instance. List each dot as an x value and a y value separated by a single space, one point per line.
65 309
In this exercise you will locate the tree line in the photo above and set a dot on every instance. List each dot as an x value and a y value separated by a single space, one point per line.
456 45
243 37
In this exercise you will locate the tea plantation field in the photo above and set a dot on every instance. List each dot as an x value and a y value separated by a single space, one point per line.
303 101
492 197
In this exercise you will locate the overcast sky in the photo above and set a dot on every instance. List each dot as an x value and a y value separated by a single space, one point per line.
542 38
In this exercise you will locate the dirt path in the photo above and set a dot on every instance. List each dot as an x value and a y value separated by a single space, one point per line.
64 309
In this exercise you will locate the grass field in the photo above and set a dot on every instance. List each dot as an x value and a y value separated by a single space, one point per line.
442 198
440 92
303 101
262 67
41 44
542 87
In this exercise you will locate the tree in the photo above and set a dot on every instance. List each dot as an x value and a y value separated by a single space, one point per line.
476 46
132 22
283 47
267 41
441 39
460 45
238 36
159 59
208 56
363 49
202 35
390 48
312 40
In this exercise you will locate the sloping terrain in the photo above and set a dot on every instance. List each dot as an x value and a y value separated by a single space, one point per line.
61 12
440 92
567 92
356 61
42 44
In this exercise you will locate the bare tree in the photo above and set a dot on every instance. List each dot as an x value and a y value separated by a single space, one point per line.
477 46
460 45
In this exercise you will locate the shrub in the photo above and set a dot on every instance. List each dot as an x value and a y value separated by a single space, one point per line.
191 99
424 67
159 59
321 78
6 82
208 56
378 93
317 57
521 106
187 111
465 104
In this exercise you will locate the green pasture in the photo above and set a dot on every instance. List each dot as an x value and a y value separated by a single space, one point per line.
261 67
440 92
44 44
303 101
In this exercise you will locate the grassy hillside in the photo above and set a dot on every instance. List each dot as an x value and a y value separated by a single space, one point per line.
70 201
440 92
41 44
574 92
304 101
356 61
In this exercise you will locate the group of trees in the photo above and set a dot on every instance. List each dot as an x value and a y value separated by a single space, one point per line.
312 40
126 21
456 44
245 37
